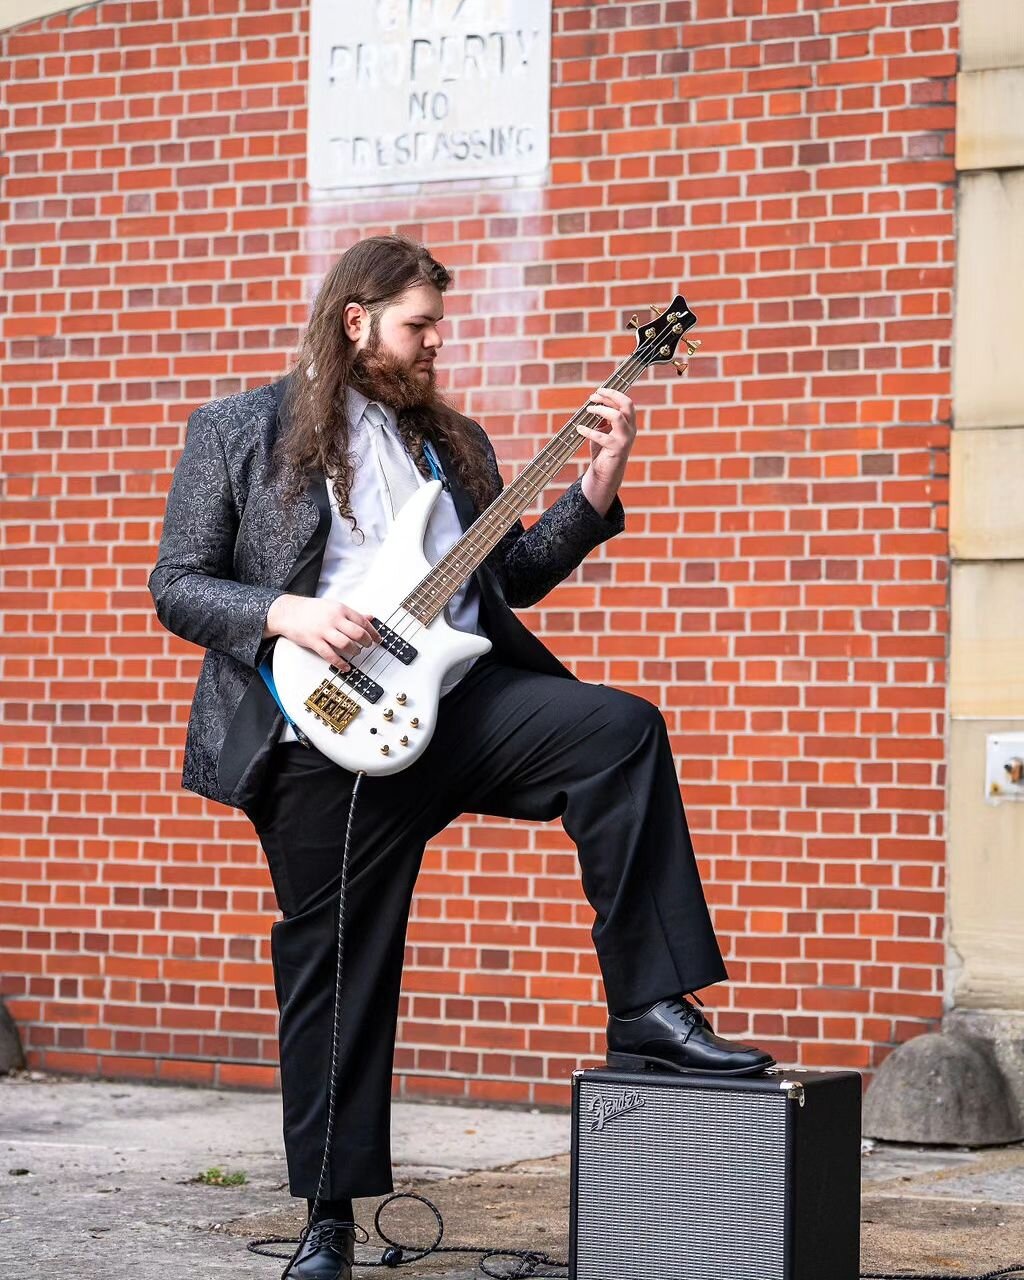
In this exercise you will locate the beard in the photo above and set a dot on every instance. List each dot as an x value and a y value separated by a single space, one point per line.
379 375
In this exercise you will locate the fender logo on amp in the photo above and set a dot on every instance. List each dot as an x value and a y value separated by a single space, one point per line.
605 1108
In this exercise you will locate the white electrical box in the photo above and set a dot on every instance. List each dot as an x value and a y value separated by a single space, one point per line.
1004 767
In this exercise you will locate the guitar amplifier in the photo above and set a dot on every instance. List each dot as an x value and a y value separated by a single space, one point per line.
699 1177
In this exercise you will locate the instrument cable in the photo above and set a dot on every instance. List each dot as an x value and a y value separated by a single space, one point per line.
399 1253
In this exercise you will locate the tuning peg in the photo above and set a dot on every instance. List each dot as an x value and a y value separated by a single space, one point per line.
681 366
633 322
657 310
693 345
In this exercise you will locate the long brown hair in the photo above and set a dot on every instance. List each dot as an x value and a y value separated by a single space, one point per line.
373 272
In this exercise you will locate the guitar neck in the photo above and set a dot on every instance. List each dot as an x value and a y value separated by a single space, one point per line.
433 592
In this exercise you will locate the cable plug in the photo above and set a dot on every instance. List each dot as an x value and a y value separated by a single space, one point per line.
392 1256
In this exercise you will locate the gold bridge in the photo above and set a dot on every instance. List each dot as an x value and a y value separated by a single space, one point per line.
332 707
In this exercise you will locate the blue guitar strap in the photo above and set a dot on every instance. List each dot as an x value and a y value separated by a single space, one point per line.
266 670
433 463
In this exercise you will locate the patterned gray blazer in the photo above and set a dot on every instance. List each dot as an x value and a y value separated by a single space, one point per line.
231 546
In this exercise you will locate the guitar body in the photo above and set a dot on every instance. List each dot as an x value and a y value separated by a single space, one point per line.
409 690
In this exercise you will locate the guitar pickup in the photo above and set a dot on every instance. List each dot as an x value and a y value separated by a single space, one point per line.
360 682
332 706
394 644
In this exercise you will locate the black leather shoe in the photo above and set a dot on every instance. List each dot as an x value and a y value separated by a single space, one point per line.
327 1253
672 1035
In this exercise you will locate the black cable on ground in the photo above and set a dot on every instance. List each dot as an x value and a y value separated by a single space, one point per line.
400 1253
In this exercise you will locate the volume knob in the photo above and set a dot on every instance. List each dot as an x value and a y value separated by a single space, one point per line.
385 749
388 713
415 722
400 697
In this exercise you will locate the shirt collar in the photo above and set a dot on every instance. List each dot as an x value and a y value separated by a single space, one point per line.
355 407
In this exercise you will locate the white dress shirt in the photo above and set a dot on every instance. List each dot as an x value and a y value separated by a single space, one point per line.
349 554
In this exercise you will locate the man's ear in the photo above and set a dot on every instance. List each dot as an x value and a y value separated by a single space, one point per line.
356 321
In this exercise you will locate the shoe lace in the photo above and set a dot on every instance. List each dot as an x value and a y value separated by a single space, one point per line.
329 1234
690 1014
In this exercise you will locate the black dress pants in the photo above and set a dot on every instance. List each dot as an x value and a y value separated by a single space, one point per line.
510 743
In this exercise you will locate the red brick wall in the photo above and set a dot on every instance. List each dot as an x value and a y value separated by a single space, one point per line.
780 590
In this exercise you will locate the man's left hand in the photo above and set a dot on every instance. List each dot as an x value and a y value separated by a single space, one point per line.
610 443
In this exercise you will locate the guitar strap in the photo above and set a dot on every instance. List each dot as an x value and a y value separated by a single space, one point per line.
435 466
266 670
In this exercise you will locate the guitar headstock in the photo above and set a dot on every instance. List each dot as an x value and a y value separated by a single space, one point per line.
657 340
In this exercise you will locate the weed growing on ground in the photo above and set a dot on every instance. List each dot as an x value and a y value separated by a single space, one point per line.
217 1177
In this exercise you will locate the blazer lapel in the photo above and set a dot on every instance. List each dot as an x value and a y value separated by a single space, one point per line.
313 512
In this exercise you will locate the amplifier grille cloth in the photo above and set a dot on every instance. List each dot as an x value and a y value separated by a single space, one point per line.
690 1185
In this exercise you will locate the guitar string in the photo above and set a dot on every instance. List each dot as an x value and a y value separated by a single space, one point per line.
508 498
406 624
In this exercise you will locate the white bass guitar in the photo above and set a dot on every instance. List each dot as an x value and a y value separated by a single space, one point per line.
378 716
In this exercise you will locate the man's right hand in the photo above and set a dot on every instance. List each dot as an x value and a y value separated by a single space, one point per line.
328 627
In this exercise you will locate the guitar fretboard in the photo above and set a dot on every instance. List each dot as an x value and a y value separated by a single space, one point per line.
433 592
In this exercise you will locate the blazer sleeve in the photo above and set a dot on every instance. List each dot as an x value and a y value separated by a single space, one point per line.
191 584
531 562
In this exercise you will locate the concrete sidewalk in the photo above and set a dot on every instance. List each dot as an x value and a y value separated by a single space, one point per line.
97 1183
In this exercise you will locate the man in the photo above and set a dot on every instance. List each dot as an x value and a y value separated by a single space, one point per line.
280 498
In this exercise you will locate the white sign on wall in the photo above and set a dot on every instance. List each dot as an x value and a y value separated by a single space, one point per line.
411 91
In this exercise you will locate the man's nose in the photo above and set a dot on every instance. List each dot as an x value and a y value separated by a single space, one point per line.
433 339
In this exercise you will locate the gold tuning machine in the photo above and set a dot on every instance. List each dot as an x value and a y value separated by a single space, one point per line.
692 347
633 322
656 310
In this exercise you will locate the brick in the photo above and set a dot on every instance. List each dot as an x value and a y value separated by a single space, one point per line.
779 592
